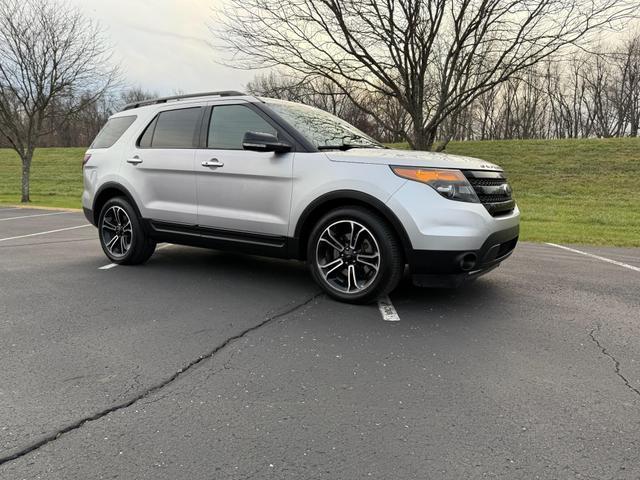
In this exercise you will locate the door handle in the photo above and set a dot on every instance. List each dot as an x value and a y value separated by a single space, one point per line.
214 162
135 160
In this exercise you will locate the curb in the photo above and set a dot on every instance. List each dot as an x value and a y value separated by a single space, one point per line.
38 207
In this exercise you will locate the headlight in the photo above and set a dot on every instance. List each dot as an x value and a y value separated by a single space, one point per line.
451 184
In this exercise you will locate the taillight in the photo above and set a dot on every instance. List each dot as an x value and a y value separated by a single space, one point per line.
86 158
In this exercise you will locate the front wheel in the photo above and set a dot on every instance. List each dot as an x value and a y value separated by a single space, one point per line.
354 255
122 237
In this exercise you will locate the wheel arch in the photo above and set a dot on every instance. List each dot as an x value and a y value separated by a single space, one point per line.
341 198
111 190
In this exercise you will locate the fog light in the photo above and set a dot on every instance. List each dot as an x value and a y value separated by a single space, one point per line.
468 261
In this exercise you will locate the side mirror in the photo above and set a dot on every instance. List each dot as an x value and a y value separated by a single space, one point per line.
264 142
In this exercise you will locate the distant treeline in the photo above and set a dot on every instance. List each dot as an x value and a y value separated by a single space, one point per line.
80 127
589 95
593 94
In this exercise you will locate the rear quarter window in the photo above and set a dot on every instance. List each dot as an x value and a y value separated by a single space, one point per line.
112 131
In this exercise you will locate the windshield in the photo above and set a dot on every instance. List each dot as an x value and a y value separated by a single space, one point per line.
323 130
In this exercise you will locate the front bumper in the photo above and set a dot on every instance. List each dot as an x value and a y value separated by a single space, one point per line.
433 222
451 242
451 268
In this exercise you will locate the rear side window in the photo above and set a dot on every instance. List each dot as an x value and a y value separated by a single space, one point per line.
172 129
229 123
112 131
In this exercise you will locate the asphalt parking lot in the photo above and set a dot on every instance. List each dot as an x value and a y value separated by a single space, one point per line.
207 365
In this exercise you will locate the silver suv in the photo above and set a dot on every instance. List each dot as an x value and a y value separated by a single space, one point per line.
231 171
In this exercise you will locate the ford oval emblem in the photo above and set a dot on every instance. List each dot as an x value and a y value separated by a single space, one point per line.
506 189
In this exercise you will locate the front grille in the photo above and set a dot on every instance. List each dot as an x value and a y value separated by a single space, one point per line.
493 191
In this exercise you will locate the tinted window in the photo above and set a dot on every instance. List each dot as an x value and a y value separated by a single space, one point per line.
147 136
175 128
112 131
229 123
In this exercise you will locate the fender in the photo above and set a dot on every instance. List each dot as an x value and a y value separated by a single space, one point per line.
113 186
339 198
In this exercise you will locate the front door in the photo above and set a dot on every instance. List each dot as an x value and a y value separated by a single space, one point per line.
239 191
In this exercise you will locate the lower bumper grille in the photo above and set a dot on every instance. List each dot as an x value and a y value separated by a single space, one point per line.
493 191
507 247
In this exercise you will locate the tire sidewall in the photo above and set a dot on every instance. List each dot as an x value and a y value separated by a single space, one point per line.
381 233
138 234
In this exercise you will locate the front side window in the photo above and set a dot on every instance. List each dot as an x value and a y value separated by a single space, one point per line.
229 123
172 129
112 131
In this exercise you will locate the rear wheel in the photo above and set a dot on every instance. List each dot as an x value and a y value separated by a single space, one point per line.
354 255
122 237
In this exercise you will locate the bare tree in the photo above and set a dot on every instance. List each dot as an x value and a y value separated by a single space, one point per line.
628 64
434 57
50 55
320 93
132 95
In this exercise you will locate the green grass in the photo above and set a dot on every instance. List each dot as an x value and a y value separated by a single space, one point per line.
56 177
569 191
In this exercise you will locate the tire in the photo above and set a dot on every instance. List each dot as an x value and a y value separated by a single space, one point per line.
337 271
132 245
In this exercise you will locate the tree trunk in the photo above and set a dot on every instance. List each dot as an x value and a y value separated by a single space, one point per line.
26 174
422 142
423 138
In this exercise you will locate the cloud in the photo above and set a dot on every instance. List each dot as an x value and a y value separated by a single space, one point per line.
165 33
164 45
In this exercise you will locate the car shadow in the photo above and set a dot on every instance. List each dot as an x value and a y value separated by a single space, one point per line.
190 264
230 266
469 303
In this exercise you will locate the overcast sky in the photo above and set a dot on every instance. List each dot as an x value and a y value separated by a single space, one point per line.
162 46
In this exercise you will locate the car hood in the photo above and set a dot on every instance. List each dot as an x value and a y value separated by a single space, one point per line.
410 158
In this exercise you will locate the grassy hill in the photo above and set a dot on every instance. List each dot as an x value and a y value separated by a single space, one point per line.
569 191
56 177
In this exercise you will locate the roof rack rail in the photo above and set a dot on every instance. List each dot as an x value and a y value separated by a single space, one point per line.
154 101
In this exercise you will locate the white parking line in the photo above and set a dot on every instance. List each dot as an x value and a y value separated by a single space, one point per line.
38 215
44 233
597 257
387 310
107 267
113 265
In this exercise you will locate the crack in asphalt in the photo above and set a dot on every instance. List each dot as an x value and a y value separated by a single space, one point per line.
153 389
616 362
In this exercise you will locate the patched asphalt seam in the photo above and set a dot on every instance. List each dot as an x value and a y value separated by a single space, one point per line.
615 361
22 451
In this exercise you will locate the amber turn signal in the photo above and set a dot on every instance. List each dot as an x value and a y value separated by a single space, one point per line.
428 175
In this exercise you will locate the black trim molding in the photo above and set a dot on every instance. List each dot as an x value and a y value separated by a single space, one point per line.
217 238
496 248
335 199
116 187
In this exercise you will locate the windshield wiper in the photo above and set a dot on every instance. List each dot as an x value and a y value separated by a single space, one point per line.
344 146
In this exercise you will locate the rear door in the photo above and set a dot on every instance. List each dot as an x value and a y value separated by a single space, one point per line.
239 190
161 167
